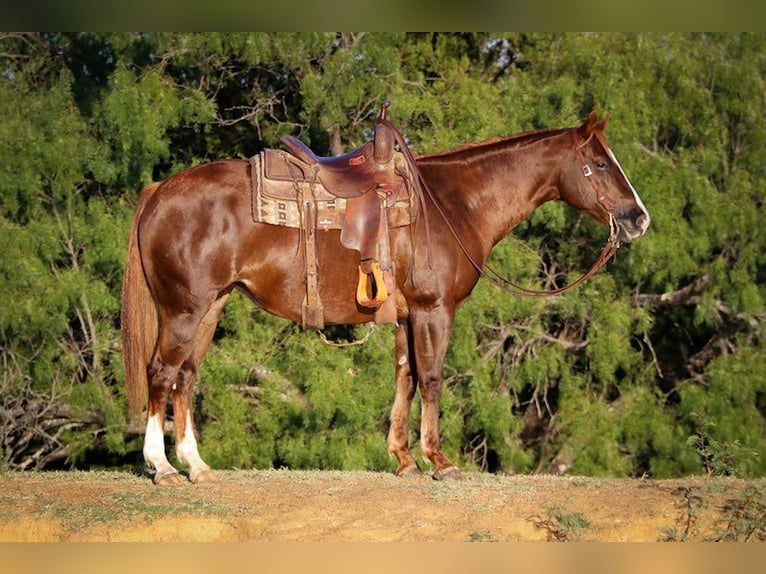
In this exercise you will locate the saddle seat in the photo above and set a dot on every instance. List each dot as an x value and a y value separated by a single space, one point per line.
349 175
354 173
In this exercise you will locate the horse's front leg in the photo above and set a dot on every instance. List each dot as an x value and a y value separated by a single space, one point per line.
431 332
398 434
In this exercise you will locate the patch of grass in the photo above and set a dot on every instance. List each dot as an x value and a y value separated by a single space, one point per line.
480 536
473 484
129 505
7 503
562 525
132 504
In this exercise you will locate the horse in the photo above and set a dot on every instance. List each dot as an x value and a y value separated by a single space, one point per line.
193 241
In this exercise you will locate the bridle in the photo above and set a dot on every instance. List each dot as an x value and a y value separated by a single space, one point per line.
608 251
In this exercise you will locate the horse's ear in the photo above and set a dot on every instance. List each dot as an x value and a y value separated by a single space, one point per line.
601 125
586 129
593 124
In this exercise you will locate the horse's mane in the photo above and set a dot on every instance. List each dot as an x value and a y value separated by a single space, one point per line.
493 144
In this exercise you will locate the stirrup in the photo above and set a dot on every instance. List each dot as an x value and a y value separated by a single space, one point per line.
371 289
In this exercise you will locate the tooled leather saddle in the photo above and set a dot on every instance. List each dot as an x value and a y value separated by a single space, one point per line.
363 193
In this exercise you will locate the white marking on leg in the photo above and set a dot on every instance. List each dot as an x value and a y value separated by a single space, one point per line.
187 452
154 446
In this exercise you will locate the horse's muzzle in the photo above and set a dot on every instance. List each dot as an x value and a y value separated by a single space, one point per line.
632 226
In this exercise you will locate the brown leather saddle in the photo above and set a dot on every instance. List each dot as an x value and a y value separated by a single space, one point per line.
354 173
367 182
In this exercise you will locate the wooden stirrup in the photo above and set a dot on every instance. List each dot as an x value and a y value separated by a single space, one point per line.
371 289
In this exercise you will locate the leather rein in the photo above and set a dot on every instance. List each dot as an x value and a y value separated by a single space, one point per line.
495 277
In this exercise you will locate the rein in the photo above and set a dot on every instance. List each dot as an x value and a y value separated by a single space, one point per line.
496 278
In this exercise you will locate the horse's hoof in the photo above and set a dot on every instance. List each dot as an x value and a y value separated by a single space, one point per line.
449 473
411 471
204 476
171 478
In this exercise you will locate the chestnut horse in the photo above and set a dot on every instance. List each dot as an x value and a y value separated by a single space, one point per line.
193 241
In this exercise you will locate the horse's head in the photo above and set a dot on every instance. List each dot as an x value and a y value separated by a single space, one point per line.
594 183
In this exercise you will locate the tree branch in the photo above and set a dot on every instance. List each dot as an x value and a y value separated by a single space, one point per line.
684 296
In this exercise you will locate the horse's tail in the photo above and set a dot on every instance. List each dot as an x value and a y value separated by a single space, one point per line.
138 316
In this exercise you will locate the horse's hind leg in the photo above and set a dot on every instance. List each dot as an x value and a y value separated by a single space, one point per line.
183 408
174 345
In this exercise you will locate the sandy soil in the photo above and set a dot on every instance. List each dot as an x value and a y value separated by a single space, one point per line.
281 505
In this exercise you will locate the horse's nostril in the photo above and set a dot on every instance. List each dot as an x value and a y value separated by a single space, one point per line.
642 221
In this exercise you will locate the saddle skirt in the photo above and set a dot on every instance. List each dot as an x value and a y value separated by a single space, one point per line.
281 181
289 191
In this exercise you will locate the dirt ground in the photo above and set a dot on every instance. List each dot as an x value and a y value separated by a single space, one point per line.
314 506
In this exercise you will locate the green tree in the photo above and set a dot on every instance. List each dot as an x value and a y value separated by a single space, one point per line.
609 379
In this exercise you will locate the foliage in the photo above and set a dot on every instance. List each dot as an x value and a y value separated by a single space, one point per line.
741 518
610 379
561 525
690 505
720 459
744 517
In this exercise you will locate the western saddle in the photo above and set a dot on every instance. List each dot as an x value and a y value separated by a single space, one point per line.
363 193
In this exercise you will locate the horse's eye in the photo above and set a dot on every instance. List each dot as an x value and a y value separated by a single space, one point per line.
602 165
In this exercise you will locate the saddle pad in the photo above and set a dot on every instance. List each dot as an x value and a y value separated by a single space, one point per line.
275 195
